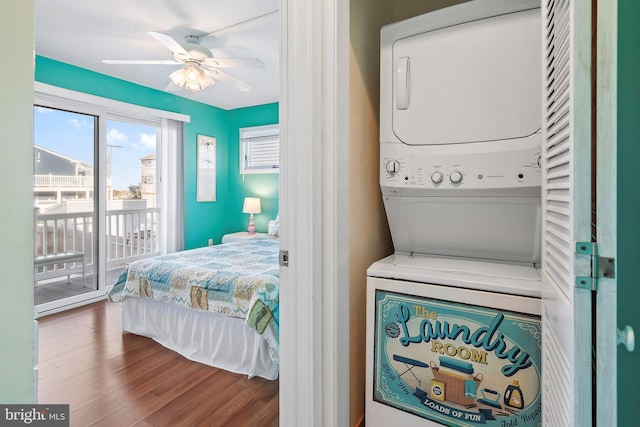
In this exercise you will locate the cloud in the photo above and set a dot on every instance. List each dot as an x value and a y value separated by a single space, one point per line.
115 136
44 110
80 124
147 140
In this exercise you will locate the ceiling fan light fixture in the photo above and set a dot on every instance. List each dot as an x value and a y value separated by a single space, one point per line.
178 77
200 69
192 77
191 72
192 87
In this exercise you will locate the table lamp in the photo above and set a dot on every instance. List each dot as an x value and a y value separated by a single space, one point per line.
251 206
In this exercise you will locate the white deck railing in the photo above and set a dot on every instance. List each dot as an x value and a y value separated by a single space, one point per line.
62 181
131 234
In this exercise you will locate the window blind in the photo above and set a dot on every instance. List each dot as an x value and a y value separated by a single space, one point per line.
260 149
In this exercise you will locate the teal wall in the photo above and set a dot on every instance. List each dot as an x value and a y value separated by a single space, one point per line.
265 186
203 220
628 204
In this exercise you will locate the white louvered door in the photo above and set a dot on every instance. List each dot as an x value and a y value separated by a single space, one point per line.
566 161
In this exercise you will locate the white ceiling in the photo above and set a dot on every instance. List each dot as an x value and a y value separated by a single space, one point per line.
84 32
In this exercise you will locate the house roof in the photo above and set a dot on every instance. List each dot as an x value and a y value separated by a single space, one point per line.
49 162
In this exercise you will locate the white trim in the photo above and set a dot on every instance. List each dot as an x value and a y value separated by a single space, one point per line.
336 174
136 118
314 383
58 94
606 174
100 208
581 199
69 303
300 342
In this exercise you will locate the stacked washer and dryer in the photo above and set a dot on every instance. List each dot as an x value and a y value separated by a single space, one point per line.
453 316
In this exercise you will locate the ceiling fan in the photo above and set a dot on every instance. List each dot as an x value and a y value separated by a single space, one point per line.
200 69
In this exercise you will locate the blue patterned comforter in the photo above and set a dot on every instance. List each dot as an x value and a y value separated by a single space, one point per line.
239 279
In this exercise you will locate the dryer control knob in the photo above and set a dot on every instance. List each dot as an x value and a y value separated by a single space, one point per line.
392 167
455 177
436 177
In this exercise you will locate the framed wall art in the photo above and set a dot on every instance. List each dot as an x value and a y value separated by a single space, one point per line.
206 169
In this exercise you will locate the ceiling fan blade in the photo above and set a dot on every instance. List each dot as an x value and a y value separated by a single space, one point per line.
233 63
227 78
169 43
141 61
171 87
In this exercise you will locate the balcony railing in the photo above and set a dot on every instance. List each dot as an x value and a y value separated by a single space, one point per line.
54 181
131 234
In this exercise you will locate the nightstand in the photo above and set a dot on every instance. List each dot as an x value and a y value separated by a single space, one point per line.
244 235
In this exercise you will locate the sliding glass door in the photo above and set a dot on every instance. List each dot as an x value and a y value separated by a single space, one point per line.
107 192
64 189
96 201
132 197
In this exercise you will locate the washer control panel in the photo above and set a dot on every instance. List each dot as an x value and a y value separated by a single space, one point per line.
405 167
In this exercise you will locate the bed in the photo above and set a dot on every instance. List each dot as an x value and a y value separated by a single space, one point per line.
217 305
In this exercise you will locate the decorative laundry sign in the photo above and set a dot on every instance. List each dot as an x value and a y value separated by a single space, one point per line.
457 364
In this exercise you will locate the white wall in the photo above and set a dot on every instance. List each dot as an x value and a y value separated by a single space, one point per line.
16 198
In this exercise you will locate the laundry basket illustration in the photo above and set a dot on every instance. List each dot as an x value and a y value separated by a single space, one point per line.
458 389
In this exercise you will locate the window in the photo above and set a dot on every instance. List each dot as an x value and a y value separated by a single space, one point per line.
260 149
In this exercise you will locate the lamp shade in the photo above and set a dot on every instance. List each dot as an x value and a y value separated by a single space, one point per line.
251 205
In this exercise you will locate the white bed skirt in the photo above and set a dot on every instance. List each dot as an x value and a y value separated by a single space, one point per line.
209 338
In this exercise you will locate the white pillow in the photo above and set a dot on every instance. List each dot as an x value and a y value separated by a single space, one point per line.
274 226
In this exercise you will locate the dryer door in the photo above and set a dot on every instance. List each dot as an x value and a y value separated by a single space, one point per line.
478 81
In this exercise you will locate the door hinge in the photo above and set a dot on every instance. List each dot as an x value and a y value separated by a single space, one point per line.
601 267
284 258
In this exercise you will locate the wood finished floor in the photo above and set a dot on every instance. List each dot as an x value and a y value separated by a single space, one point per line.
114 379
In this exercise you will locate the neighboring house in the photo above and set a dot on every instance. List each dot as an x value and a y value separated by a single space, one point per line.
148 179
58 178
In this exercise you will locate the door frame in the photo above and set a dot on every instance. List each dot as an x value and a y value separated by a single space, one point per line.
314 206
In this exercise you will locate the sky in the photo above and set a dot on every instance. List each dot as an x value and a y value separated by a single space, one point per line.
72 135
